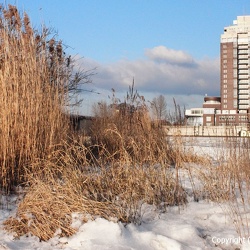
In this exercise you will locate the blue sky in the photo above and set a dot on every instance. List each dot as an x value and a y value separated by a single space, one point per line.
168 47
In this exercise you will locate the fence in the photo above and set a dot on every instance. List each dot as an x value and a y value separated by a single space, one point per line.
207 130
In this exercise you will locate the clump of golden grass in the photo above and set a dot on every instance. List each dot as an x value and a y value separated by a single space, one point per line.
69 183
50 202
32 87
130 186
128 163
126 132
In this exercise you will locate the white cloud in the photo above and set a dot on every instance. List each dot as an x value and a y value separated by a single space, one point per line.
164 71
163 54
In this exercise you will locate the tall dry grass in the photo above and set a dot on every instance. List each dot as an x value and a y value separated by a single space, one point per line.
32 87
125 130
74 181
227 181
129 161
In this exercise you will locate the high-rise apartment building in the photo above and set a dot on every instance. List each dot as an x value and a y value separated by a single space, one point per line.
235 56
233 106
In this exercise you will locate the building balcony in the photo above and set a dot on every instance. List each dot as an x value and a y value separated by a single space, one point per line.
243 52
243 106
243 56
244 82
244 102
242 46
243 96
243 61
245 76
243 71
243 66
243 88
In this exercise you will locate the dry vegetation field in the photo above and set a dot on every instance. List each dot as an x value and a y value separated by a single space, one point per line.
128 161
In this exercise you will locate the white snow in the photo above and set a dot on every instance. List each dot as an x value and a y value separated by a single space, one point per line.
197 225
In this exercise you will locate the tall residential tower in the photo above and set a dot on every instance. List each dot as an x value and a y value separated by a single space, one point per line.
235 70
233 106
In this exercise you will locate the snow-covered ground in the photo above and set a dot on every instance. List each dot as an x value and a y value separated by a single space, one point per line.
198 225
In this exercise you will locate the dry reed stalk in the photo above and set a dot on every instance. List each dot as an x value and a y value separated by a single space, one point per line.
32 97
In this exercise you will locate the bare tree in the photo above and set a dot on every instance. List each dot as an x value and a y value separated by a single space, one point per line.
159 107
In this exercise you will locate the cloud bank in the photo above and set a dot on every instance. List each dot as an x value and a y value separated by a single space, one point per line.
161 71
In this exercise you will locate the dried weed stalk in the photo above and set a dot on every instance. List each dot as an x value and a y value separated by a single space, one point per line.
33 79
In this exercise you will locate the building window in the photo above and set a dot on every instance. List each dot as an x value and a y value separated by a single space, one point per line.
225 96
225 61
243 118
197 111
225 100
225 106
225 91
208 118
